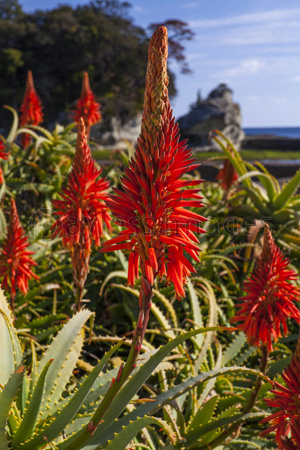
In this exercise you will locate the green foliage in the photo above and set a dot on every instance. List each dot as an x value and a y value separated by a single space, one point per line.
194 378
89 37
41 407
267 201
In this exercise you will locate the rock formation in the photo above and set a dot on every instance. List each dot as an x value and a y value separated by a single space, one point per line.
217 111
118 132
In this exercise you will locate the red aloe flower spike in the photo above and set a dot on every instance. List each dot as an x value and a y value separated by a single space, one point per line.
15 260
31 109
82 210
144 207
3 155
286 421
270 298
152 204
227 175
87 106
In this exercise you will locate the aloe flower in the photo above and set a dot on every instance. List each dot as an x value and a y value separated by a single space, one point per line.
82 210
151 207
158 229
31 109
270 297
227 175
15 259
286 420
87 106
3 155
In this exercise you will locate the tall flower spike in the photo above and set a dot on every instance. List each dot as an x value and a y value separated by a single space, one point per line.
151 206
82 210
270 298
227 175
286 421
3 155
31 109
15 260
87 106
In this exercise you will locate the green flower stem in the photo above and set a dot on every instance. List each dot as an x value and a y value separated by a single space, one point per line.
124 372
258 383
79 295
54 303
12 301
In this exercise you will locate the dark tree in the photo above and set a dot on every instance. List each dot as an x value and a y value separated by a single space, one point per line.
60 44
10 9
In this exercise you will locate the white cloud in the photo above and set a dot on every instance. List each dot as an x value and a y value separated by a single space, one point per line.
269 27
193 56
296 78
279 51
248 19
244 68
192 5
286 33
140 9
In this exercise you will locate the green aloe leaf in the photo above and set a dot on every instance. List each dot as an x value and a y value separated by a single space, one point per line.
3 224
23 395
65 350
212 319
117 273
123 438
7 396
42 130
196 311
55 427
11 354
213 434
258 201
168 306
14 128
33 375
210 384
129 390
270 183
233 348
287 192
31 415
104 433
204 414
194 435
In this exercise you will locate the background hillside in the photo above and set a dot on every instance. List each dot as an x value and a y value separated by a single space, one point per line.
59 44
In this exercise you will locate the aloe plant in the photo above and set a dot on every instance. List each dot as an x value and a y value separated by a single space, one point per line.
278 205
39 169
37 409
190 411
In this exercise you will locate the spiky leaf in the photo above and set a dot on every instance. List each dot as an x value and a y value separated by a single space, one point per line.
10 355
6 398
65 350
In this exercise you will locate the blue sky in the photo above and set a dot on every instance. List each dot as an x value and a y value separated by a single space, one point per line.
253 46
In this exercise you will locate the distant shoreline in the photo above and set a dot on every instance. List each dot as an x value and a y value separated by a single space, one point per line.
271 142
272 132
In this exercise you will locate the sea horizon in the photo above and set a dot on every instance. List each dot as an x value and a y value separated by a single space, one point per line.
285 132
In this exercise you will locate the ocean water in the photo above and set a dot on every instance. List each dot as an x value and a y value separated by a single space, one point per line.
289 132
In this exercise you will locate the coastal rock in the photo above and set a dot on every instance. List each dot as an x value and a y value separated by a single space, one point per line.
217 111
119 132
